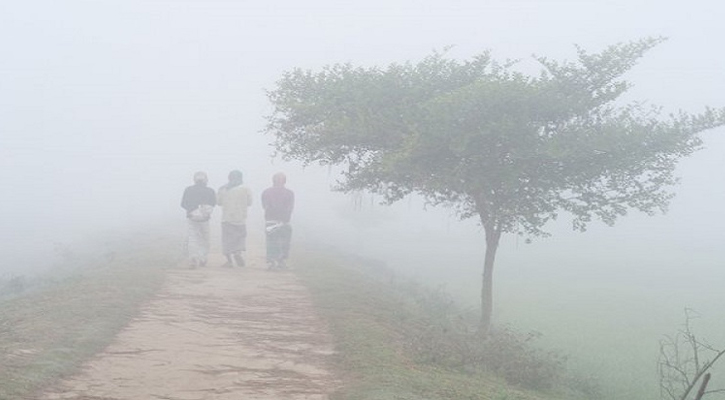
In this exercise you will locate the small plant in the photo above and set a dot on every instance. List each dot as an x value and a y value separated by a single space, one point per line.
515 357
436 332
685 363
449 336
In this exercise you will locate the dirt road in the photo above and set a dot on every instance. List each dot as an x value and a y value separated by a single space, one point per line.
215 333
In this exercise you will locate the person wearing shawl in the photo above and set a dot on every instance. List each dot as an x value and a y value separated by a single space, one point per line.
278 203
198 200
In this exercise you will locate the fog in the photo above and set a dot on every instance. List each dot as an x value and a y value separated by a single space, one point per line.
107 108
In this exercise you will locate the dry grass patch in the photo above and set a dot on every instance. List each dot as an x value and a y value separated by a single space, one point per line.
47 332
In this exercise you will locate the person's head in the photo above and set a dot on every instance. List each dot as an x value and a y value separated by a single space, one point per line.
200 178
279 179
236 177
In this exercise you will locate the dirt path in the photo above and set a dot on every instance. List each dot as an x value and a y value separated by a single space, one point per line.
215 333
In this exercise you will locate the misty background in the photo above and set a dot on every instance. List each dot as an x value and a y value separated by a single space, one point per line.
108 108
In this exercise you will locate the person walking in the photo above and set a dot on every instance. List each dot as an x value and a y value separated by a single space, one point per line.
278 203
198 200
234 199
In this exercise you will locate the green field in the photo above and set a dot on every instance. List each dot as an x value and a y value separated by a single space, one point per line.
608 310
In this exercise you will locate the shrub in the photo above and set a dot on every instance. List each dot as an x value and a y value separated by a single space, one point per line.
437 331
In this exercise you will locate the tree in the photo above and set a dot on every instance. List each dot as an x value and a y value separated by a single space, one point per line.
510 149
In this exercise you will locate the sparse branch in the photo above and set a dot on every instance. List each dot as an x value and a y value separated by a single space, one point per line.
701 392
681 364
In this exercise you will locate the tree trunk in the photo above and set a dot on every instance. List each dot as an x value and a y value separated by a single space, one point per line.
492 238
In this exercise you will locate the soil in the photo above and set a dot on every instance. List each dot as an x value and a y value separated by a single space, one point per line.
215 333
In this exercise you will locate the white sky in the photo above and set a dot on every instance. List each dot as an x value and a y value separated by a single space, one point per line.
107 107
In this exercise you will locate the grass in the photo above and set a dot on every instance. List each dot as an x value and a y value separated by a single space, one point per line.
373 324
46 333
608 315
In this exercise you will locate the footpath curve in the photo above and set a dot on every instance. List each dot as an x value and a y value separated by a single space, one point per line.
215 333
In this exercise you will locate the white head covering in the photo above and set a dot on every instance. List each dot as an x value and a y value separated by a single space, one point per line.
200 176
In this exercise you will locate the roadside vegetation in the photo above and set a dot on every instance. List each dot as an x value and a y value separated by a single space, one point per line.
399 340
49 325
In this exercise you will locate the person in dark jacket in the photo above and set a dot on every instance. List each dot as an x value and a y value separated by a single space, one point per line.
198 201
278 203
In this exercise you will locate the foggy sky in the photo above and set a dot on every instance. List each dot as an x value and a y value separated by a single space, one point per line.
107 108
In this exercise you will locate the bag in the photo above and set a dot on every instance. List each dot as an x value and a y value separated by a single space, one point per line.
274 226
201 213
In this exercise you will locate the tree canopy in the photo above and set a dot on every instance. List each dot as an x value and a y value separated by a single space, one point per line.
511 149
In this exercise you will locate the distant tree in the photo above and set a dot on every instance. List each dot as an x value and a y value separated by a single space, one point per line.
511 149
